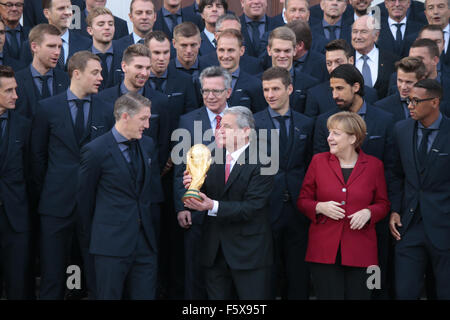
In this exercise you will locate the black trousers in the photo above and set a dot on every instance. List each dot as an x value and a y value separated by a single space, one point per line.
290 273
224 283
15 259
336 282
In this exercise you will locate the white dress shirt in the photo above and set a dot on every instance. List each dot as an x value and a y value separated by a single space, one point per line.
446 37
393 28
374 56
234 157
136 38
65 44
209 35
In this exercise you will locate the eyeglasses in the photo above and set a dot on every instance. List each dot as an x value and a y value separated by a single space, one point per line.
9 5
215 92
414 102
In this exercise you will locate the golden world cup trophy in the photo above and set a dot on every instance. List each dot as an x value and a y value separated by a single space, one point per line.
198 162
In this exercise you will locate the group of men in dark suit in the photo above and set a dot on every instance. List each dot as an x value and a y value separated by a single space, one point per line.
88 162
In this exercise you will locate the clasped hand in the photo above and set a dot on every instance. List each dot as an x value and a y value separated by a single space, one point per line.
332 210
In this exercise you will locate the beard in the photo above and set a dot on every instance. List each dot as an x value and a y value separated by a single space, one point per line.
345 106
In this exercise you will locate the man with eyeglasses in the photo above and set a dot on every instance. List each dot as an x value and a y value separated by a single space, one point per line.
419 221
11 11
397 27
5 58
216 89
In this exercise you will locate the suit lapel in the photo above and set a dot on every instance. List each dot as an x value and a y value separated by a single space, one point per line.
408 139
32 91
11 139
369 124
359 168
121 163
336 167
67 129
146 164
234 174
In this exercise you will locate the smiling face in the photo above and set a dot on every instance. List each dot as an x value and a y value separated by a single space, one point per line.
229 53
254 9
59 14
363 36
405 82
102 29
8 95
277 94
282 53
340 142
137 72
215 102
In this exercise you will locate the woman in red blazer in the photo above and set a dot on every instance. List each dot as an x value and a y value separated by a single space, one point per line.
344 195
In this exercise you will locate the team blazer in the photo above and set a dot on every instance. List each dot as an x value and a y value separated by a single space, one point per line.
186 15
55 153
428 188
365 188
13 172
386 39
28 98
108 204
393 105
247 63
120 26
241 227
248 92
289 176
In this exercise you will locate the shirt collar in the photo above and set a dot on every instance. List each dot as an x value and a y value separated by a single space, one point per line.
35 73
391 22
236 154
124 89
180 66
166 12
275 114
326 24
71 96
435 125
117 136
65 36
372 54
248 20
136 38
212 115
447 28
164 76
209 35
236 73
363 110
5 115
96 51
18 28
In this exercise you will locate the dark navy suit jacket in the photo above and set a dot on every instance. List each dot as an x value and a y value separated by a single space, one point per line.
13 172
186 14
76 43
315 66
248 92
393 105
27 92
115 74
387 42
320 99
206 45
23 38
301 82
427 188
249 64
290 174
108 204
17 65
55 153
318 31
120 25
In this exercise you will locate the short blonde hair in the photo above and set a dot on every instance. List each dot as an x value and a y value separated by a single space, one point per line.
96 12
351 123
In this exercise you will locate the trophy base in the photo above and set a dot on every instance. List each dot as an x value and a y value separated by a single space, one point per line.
192 193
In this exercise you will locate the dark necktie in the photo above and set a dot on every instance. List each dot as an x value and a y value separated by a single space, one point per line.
13 44
45 93
332 31
79 120
255 34
158 83
398 36
283 133
105 71
423 147
61 57
298 65
366 73
174 18
133 154
214 42
141 41
2 120
405 108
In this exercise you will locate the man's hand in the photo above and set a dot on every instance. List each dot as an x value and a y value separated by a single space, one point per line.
167 167
187 179
184 219
394 222
194 204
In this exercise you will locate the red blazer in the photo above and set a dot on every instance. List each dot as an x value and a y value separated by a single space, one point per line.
365 188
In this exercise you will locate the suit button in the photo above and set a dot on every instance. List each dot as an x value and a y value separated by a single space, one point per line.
343 202
411 210
344 189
